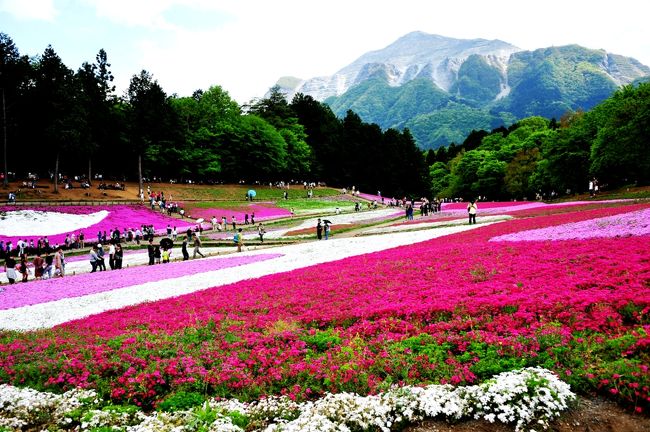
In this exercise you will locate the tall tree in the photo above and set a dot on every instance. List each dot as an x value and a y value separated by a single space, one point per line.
14 77
97 101
59 115
151 118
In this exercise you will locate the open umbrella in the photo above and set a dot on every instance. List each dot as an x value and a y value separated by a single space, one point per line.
166 243
199 220
251 193
327 221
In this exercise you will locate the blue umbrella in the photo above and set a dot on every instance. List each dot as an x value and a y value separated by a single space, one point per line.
252 193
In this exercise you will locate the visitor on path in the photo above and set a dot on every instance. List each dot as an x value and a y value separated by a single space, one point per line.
59 263
111 255
166 255
261 231
214 223
49 264
156 254
233 220
39 264
471 210
119 256
319 230
326 228
186 255
197 245
101 265
94 259
253 218
239 240
10 269
246 219
150 252
23 267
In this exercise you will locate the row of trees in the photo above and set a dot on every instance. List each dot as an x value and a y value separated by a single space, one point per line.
536 156
59 120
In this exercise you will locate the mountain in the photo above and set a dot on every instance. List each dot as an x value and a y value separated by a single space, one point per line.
441 88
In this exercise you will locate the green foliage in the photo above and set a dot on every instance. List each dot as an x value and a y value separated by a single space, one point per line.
322 340
181 401
478 82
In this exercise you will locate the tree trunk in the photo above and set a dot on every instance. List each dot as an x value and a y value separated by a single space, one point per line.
56 173
90 171
4 133
140 173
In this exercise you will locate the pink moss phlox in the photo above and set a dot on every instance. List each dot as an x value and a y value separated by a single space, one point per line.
43 291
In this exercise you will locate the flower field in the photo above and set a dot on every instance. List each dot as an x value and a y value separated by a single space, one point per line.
56 223
454 310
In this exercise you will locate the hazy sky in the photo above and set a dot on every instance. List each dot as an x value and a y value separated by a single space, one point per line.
246 45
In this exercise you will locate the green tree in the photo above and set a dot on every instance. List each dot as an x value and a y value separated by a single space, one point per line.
519 171
151 118
620 152
59 114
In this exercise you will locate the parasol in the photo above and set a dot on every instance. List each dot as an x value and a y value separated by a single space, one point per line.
251 193
199 220
327 221
166 243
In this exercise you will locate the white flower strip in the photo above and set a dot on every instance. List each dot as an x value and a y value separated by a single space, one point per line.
433 224
294 256
29 223
527 398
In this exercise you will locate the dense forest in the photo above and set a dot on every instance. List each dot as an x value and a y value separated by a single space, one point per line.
610 143
57 120
73 122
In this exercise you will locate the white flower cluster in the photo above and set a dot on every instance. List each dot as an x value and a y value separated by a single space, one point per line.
526 398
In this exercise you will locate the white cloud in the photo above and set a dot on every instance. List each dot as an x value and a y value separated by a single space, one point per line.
41 10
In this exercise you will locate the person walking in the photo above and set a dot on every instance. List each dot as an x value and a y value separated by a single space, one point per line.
49 264
186 255
319 230
156 254
471 211
111 255
197 245
23 267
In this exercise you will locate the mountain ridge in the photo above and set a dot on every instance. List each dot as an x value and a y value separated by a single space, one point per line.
490 80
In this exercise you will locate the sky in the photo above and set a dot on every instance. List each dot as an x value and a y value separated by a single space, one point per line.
244 46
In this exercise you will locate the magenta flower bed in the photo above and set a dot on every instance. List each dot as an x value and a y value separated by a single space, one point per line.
452 310
120 217
622 225
43 291
517 206
263 211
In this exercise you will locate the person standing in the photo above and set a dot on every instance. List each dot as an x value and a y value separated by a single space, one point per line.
234 223
326 228
150 251
101 265
261 231
59 263
94 258
197 245
111 255
49 262
239 240
156 254
10 269
214 223
119 256
471 211
319 230
186 255
38 266
166 255
253 218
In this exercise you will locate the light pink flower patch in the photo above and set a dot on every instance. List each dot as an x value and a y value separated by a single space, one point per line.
44 291
622 225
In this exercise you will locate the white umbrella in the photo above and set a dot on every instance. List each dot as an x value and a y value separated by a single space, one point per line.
200 220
